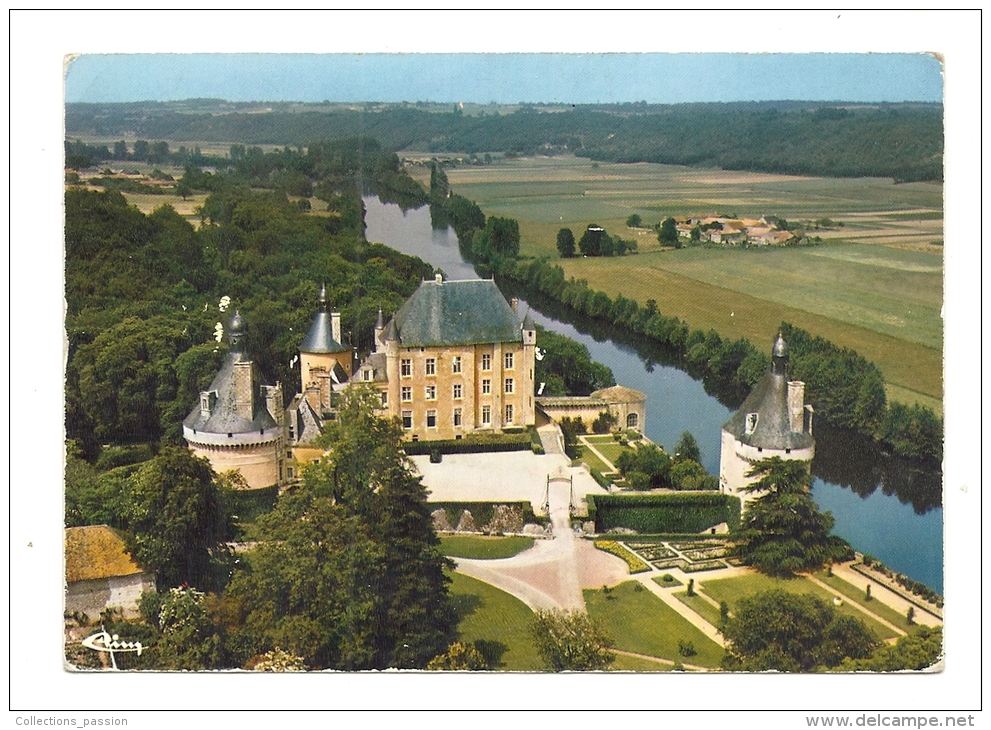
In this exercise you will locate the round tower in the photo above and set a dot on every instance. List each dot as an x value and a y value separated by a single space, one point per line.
237 424
773 421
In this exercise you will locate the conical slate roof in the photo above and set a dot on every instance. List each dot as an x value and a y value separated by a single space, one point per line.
769 400
320 337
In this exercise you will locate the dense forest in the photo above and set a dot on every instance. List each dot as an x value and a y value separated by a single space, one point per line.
901 141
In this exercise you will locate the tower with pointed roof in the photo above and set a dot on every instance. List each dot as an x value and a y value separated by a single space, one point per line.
324 361
773 421
237 424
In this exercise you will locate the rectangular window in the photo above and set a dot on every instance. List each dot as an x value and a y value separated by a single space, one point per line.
457 416
456 364
508 361
431 419
288 453
366 374
407 393
431 392
431 366
406 368
486 386
385 398
407 419
486 415
486 362
457 391
509 414
509 385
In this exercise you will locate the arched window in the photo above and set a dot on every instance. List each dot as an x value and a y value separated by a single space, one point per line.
632 420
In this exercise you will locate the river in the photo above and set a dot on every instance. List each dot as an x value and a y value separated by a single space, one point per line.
882 506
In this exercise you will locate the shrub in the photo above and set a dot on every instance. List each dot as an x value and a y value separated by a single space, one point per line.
686 648
668 578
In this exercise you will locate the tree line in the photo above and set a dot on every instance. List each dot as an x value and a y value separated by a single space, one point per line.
900 141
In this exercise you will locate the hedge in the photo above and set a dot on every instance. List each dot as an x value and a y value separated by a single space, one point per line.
663 513
471 444
482 512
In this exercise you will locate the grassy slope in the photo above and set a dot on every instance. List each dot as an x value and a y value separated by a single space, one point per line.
732 590
879 290
640 622
488 614
484 548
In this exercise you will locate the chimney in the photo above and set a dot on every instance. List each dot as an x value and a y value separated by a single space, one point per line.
515 304
244 402
335 326
439 278
796 406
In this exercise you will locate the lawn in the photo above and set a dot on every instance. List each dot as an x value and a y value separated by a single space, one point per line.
701 606
640 622
875 606
593 461
484 548
875 286
625 663
732 590
497 622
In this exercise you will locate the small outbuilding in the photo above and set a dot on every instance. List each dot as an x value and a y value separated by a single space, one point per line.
100 574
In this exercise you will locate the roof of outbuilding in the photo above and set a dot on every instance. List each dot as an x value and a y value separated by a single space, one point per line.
95 552
620 394
466 312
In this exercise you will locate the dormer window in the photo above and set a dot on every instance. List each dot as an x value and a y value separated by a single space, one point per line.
751 423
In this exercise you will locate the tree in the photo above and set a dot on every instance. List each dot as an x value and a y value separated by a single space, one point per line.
788 632
177 521
648 459
919 650
590 240
634 221
566 243
668 235
351 574
571 641
783 530
189 640
687 448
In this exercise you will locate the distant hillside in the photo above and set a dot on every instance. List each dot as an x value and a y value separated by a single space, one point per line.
901 141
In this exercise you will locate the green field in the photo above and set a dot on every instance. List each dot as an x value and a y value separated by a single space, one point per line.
641 623
875 285
732 590
484 548
498 619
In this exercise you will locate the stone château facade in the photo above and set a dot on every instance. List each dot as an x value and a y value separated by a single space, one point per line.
455 359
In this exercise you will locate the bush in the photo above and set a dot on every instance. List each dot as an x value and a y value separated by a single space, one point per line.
614 548
112 457
686 648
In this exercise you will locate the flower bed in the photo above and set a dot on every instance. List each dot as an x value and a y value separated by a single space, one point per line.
700 567
614 548
651 551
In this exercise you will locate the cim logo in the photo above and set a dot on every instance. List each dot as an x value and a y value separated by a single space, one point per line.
103 641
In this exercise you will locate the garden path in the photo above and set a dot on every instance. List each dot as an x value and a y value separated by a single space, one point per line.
665 594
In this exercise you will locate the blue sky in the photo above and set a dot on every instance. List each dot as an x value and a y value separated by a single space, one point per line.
507 78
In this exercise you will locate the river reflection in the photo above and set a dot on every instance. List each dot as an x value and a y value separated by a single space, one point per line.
883 506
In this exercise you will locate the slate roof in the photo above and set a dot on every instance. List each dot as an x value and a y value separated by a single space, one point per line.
466 312
320 338
305 421
223 418
95 552
769 400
